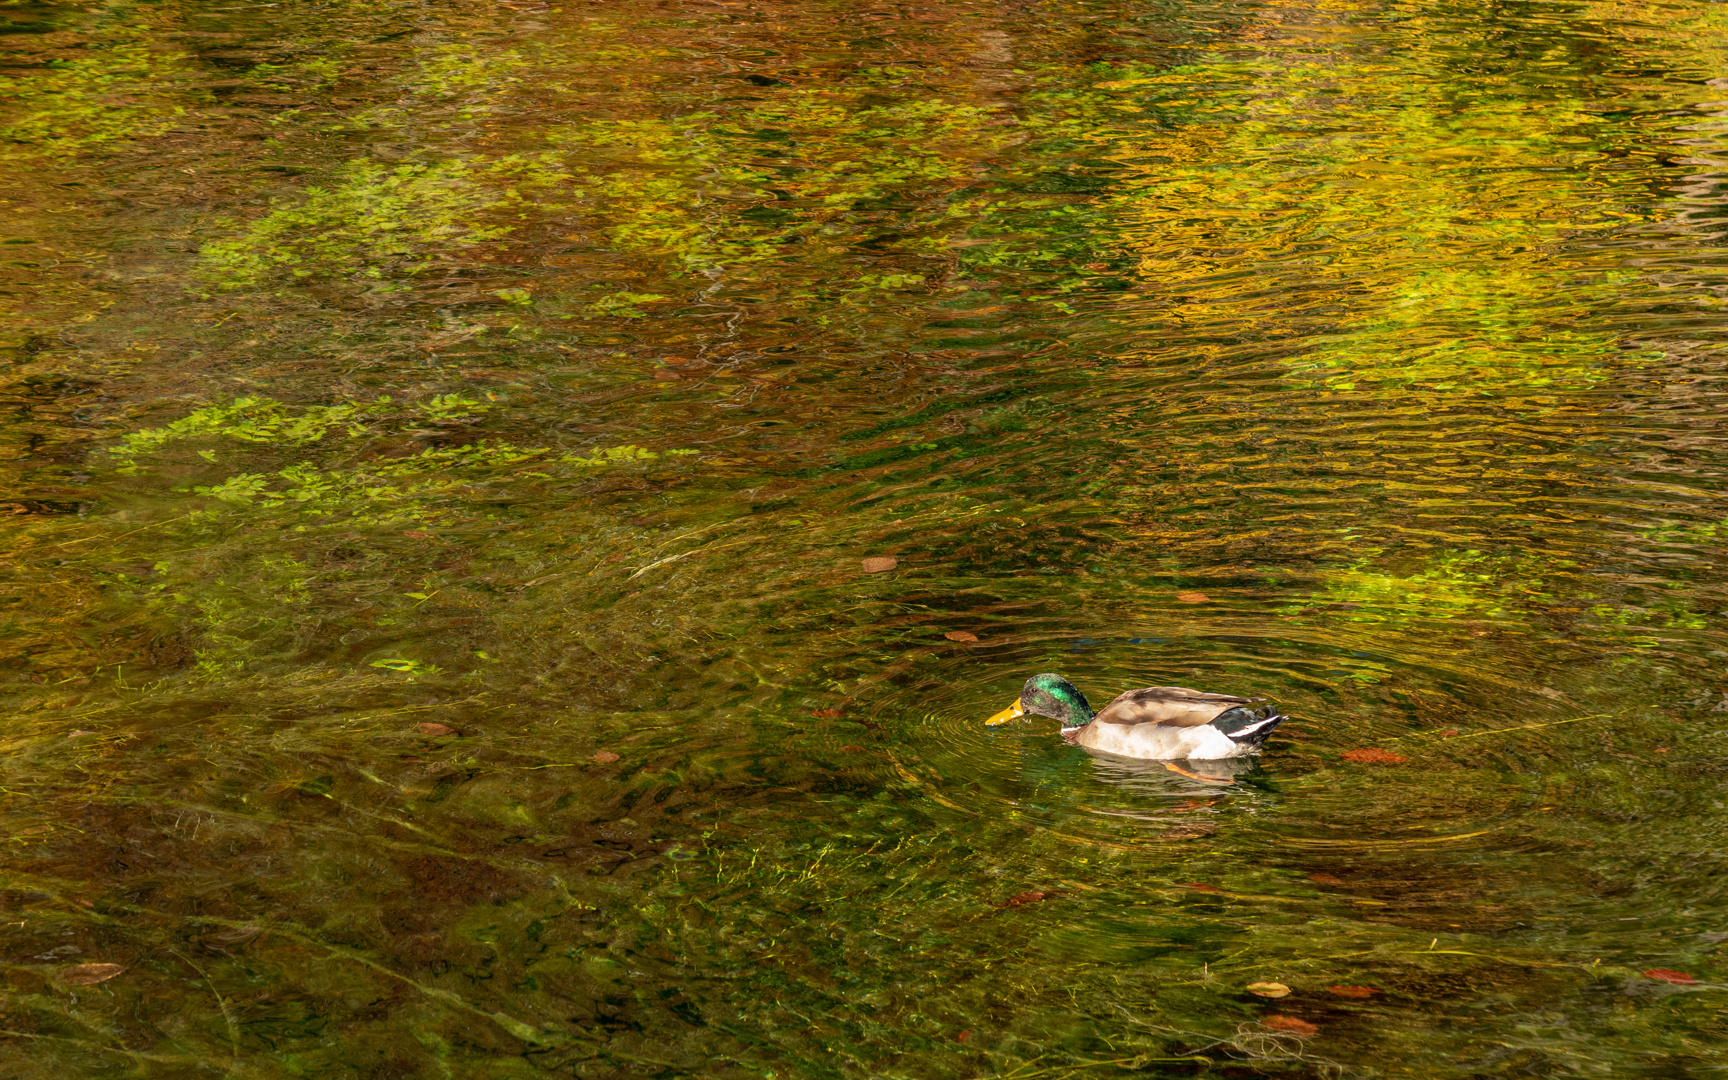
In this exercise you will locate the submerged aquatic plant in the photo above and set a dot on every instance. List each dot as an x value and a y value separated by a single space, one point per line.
255 419
347 476
377 221
118 90
368 489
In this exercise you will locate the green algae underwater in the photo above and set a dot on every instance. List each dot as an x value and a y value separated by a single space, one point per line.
443 441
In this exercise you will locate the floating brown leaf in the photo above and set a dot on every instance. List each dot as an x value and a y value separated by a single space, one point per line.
1678 978
1290 1025
828 714
1353 991
1269 989
417 534
1027 898
90 974
1193 597
963 1036
1448 733
604 757
429 728
1202 888
1326 879
1374 756
1660 750
851 749
960 635
880 564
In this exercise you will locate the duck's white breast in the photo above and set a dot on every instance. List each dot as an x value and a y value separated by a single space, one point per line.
1161 741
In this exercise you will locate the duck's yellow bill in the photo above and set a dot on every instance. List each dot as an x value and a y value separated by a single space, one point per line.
1007 714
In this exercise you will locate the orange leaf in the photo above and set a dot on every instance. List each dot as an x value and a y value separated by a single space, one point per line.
1353 991
1027 898
1326 879
1448 733
960 635
417 534
828 714
1678 978
880 564
1291 1025
604 757
1373 756
963 1036
1193 597
429 728
851 749
90 974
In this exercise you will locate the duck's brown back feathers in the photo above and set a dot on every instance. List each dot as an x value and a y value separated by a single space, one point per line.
1176 706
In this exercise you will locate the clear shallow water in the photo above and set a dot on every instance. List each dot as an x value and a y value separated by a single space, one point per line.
1361 357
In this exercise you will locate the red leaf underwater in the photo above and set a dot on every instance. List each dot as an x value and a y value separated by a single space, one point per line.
1678 978
1373 756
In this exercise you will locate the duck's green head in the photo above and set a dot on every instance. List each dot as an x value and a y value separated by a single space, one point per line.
1048 695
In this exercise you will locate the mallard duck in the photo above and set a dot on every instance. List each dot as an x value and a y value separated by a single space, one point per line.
1168 723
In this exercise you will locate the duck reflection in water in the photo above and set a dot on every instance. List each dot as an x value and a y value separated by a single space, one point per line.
1159 777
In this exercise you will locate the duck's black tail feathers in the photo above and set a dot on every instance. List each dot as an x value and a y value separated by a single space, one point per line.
1249 726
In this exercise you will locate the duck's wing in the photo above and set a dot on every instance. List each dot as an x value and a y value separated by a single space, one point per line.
1176 706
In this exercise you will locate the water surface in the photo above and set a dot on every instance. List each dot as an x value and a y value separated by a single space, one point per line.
444 441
